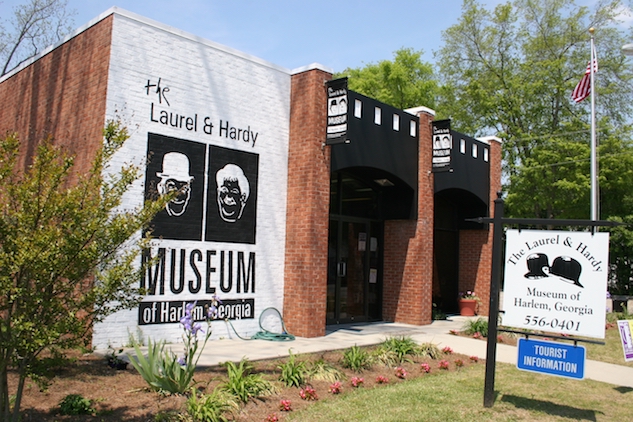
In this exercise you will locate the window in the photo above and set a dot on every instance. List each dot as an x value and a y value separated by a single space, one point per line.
377 115
486 155
396 122
462 146
474 150
412 128
358 108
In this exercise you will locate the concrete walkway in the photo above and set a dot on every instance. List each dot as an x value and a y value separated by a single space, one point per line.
365 334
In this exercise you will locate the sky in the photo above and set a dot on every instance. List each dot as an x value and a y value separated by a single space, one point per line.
338 34
335 33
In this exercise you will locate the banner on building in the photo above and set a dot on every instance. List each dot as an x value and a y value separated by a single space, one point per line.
442 145
556 281
337 102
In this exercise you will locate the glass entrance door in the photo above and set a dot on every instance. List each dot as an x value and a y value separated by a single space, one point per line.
355 273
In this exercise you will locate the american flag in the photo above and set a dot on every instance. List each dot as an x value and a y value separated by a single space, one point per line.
583 89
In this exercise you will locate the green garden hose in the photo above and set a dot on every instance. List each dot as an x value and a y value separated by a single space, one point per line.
264 334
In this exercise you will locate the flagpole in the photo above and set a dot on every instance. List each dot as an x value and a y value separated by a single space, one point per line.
594 164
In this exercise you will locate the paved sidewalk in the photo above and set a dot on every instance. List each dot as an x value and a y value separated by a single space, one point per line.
364 334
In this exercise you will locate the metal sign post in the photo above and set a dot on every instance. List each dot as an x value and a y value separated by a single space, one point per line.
498 222
493 310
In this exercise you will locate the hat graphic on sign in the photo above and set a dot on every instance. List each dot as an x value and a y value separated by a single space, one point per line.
538 266
568 269
176 167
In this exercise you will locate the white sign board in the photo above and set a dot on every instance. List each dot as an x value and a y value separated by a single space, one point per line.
556 281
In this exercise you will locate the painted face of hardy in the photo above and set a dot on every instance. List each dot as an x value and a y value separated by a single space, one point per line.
230 201
233 192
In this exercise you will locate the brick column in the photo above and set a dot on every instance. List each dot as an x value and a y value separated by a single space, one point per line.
305 289
475 246
408 257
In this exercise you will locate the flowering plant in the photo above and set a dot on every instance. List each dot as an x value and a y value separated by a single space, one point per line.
162 369
401 373
308 393
474 358
447 350
425 367
469 295
285 406
443 364
357 382
381 379
335 388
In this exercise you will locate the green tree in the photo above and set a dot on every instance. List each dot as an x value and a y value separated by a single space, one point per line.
510 72
405 82
621 258
68 253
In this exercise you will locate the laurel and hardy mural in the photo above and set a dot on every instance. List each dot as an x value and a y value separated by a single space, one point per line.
229 212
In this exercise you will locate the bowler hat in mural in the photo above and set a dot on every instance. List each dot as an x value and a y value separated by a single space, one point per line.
568 269
537 264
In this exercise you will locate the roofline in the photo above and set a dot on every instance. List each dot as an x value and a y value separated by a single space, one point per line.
161 26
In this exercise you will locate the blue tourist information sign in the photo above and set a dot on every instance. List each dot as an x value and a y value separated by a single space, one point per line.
547 357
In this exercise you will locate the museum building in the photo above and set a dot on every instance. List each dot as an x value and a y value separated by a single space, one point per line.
295 193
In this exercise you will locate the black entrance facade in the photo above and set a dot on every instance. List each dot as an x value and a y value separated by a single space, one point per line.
354 289
355 248
374 177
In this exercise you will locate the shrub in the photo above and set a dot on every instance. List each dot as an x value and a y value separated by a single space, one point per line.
480 325
210 408
324 371
400 347
75 404
430 350
244 385
293 373
356 359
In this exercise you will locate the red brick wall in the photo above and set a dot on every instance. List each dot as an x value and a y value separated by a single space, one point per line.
475 252
308 202
408 263
475 246
62 95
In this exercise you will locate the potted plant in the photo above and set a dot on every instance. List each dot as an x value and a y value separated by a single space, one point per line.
468 303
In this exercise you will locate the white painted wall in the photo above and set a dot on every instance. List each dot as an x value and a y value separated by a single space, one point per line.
204 80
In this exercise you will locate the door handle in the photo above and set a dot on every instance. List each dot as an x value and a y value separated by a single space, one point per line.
341 269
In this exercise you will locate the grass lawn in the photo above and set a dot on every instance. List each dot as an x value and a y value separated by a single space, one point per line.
458 396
